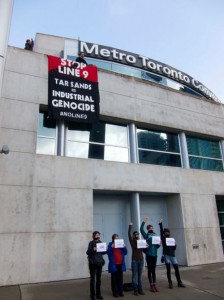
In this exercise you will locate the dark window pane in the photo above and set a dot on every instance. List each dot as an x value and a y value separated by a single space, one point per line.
151 77
222 232
205 164
158 158
97 134
221 218
96 151
158 141
220 205
203 147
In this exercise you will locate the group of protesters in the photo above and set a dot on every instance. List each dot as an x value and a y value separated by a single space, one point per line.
116 252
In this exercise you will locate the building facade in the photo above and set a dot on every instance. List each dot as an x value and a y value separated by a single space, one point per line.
157 150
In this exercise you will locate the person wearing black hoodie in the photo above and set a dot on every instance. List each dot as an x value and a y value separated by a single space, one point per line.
96 263
169 256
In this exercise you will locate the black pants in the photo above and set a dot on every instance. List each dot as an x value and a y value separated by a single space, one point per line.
151 264
168 273
117 281
95 280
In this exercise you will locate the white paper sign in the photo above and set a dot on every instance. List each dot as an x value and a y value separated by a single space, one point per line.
156 240
101 247
119 243
170 242
141 244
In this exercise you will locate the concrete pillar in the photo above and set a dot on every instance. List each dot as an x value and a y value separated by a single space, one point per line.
60 137
6 7
184 150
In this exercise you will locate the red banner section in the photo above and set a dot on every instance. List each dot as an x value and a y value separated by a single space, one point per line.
73 92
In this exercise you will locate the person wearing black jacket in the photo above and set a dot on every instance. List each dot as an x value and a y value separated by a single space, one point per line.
96 263
169 256
80 58
29 44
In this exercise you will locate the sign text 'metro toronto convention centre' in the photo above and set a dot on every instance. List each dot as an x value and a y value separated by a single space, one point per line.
145 63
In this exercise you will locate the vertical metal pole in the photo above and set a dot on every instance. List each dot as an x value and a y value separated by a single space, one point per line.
184 150
133 143
6 7
61 138
135 211
135 201
222 149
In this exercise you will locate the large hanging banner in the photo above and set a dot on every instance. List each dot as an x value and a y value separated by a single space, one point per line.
73 92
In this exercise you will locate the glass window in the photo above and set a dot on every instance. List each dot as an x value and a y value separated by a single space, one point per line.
159 158
205 164
99 141
75 149
116 154
151 77
116 135
222 232
220 205
204 154
46 135
158 141
158 148
126 70
221 219
220 210
203 147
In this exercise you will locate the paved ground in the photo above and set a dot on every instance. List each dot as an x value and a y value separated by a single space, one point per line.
202 283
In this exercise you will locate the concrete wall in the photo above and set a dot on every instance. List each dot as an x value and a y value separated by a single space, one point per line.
46 215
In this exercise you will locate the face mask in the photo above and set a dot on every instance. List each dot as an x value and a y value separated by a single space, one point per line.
167 234
150 231
96 238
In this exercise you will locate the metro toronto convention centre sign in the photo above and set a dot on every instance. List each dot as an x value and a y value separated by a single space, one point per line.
144 63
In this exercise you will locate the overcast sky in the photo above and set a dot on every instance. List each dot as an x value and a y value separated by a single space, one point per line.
185 34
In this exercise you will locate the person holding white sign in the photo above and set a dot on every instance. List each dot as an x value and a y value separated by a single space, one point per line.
151 253
169 247
95 257
116 265
137 260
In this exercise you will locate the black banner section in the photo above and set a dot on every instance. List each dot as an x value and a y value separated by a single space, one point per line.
73 92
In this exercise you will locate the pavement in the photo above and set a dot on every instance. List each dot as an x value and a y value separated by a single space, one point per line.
204 282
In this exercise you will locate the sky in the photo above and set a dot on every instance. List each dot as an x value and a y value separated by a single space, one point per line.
186 34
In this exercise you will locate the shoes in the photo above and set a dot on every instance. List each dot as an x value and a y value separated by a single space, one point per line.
180 284
99 297
170 285
115 295
155 288
140 291
121 294
135 292
152 288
